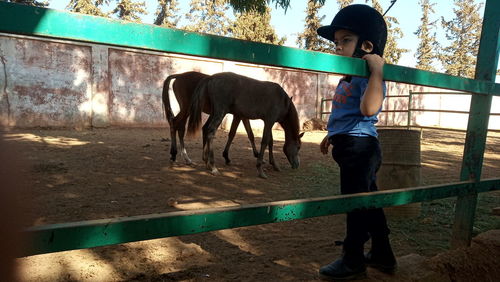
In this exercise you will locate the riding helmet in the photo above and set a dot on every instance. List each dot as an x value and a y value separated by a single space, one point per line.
363 20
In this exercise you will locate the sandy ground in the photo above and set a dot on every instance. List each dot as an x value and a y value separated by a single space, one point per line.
105 173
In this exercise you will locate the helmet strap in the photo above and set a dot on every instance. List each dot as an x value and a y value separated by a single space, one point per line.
358 52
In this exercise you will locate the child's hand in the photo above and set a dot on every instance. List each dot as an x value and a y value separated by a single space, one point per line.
324 145
375 63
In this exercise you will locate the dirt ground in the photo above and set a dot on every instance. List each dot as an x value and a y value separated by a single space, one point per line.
105 173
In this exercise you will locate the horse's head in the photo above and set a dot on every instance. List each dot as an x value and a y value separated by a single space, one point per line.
291 150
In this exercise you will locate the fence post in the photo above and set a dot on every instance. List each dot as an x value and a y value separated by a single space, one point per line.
477 128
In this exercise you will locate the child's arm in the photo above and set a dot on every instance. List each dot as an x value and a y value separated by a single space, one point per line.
374 93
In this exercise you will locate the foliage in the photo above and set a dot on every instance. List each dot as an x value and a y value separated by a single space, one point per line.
88 7
208 16
344 3
392 52
463 32
426 51
254 26
129 10
309 38
166 13
260 5
29 2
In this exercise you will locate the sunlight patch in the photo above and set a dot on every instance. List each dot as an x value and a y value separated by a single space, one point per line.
58 141
198 205
231 236
253 192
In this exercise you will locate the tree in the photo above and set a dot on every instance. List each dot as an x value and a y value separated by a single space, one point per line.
254 26
463 32
88 7
128 10
260 5
344 3
30 2
309 38
426 51
392 52
166 13
208 16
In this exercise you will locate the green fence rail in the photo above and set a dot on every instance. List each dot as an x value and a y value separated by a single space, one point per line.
95 233
47 23
20 19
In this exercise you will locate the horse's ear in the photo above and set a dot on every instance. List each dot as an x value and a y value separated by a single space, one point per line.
302 134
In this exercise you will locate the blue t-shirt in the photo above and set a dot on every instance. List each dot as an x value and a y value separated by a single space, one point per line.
346 117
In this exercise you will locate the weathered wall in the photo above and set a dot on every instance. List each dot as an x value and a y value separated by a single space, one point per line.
45 83
54 83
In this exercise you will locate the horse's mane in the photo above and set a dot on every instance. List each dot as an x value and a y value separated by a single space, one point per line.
291 120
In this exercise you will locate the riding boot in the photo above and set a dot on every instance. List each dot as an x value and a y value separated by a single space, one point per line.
381 255
351 265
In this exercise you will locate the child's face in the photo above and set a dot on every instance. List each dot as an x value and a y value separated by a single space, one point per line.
345 42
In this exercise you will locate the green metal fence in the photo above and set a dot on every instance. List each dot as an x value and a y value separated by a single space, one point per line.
26 20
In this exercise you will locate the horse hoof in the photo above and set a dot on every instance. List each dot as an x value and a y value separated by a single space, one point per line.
215 172
277 168
263 175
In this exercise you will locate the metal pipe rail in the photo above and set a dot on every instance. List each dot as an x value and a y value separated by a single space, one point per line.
409 110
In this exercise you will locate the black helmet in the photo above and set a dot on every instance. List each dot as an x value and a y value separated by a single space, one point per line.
363 20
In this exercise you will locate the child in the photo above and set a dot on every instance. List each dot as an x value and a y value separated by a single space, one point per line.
358 31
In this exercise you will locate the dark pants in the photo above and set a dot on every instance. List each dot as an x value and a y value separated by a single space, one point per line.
359 159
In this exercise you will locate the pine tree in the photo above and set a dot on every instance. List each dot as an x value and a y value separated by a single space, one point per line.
128 10
426 51
392 52
464 32
309 38
344 3
166 13
88 7
254 26
209 16
29 2
260 5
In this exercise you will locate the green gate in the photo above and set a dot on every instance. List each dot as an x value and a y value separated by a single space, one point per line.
27 20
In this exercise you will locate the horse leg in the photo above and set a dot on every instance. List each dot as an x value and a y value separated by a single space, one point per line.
271 155
173 142
232 132
209 130
265 141
249 131
182 132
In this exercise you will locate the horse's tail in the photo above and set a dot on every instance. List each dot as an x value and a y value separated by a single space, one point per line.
166 98
196 107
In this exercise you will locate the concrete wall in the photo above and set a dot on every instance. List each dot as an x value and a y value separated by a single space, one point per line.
54 83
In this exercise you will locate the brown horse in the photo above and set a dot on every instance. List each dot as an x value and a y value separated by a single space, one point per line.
184 86
247 98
